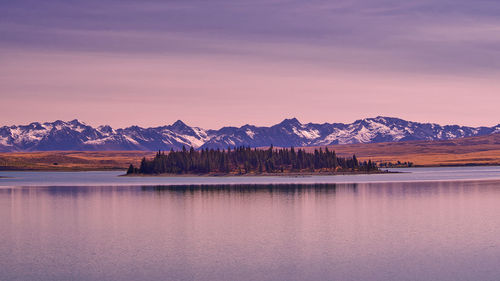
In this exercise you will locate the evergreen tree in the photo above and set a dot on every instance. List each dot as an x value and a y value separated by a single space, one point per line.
131 169
247 160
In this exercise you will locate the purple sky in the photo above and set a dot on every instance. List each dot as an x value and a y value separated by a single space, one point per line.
215 63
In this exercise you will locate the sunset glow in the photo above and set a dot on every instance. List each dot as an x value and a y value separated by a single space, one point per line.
220 63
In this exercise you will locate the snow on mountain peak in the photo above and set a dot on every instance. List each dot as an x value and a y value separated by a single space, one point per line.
250 133
308 134
76 135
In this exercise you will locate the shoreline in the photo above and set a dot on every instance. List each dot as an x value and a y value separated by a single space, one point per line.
297 174
96 169
12 169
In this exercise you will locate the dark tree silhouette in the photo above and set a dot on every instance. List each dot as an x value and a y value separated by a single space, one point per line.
244 160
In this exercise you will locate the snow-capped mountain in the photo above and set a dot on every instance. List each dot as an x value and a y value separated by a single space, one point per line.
75 135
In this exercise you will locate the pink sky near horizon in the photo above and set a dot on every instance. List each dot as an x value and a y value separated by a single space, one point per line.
212 92
228 63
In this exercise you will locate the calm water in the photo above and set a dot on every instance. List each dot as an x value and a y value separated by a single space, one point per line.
113 178
96 226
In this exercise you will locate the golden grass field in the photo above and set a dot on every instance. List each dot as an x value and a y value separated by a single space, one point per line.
484 150
71 160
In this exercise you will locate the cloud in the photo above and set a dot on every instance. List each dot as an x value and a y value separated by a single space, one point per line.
404 58
425 36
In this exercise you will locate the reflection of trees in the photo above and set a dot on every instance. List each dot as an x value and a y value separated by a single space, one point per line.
253 188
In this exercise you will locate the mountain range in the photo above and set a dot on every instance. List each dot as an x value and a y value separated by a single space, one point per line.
76 135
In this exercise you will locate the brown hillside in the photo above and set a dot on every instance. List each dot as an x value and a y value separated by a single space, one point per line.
71 160
465 151
484 150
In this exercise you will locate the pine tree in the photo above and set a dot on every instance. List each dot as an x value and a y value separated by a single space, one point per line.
248 160
131 169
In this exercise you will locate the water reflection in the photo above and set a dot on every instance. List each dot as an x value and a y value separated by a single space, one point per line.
369 231
402 189
373 189
430 188
253 188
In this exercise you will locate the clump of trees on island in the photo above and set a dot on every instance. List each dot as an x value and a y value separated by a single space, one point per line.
397 164
244 160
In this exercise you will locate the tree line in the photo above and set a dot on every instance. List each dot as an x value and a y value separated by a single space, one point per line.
244 160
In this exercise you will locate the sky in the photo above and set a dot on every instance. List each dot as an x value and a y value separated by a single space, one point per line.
232 62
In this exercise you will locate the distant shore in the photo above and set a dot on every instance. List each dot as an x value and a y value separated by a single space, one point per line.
472 151
57 169
101 169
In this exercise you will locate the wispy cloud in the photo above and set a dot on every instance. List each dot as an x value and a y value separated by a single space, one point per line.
379 56
438 36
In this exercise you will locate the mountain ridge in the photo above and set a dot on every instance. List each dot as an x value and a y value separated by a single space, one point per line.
78 136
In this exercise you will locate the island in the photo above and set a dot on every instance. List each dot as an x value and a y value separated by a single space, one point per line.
248 161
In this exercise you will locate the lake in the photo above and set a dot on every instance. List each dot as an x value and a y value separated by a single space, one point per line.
423 224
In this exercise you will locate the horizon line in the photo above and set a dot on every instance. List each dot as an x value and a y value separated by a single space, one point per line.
247 124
